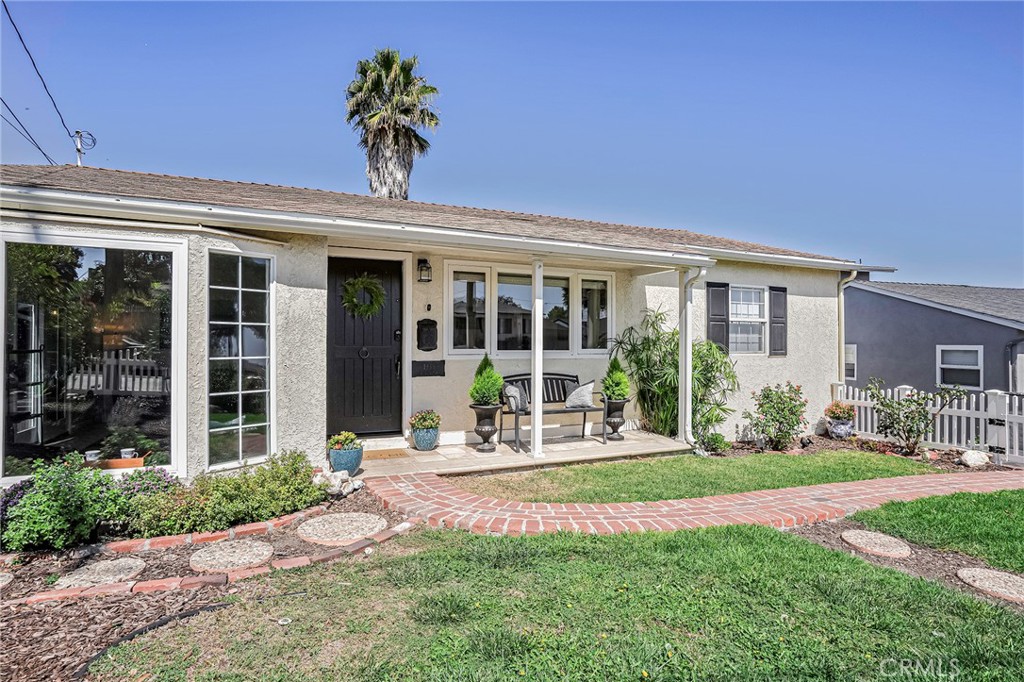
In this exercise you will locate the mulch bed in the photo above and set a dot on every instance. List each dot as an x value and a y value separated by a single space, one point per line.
945 461
924 562
37 570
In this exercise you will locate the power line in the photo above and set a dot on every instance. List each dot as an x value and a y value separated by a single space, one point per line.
23 131
41 79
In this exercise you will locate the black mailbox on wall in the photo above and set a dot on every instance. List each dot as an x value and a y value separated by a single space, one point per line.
426 335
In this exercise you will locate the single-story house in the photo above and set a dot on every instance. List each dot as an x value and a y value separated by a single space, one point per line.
948 335
210 323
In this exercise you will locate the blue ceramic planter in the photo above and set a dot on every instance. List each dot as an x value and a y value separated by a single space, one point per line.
346 460
425 439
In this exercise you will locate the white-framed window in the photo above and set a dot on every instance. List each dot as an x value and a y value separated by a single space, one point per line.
239 379
490 309
850 361
748 317
962 366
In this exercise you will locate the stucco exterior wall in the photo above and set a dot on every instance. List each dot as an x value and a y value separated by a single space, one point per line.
896 340
812 358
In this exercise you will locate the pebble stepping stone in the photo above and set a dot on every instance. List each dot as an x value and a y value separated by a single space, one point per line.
101 572
220 557
336 530
878 544
5 579
994 583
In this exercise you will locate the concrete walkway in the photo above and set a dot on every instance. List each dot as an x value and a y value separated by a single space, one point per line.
442 504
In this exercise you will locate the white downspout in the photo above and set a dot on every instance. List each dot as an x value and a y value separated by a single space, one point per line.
687 278
841 297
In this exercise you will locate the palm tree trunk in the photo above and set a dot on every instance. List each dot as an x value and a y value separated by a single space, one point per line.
388 167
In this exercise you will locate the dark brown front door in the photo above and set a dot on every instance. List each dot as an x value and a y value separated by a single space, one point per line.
364 355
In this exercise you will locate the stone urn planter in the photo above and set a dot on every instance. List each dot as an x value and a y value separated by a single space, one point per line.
840 429
615 419
425 439
485 427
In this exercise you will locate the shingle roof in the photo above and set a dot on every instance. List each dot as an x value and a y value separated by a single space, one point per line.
338 204
1004 303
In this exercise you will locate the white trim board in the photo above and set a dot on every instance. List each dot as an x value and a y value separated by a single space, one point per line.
938 306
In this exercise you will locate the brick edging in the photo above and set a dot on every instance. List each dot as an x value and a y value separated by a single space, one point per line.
244 530
194 581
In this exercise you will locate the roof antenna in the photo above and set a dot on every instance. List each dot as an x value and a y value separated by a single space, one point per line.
84 141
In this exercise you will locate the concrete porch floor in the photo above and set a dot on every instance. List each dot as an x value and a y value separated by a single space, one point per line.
464 459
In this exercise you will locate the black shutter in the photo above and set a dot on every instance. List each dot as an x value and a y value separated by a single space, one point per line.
718 314
777 321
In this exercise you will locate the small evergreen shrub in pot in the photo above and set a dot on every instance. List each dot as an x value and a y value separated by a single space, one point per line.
615 387
345 452
840 417
426 428
779 415
484 396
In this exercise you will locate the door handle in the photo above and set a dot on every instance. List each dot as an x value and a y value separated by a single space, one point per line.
398 366
398 335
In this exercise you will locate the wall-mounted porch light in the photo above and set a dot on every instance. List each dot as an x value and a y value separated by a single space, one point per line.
426 274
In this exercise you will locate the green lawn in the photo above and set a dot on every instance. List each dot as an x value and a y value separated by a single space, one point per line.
989 526
671 478
727 603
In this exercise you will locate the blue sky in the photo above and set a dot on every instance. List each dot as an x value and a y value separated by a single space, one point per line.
888 132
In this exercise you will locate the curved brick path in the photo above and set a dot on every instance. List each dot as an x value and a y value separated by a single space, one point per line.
442 504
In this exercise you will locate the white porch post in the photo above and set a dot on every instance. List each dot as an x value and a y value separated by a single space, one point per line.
537 362
687 278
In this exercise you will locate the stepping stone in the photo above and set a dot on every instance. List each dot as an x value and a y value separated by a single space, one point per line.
102 572
878 544
220 557
336 530
5 579
994 583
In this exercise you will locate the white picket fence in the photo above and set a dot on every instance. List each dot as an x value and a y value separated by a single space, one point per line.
992 421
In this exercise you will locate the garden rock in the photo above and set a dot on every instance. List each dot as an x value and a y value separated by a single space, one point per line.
974 458
335 480
878 544
102 572
220 557
5 579
994 583
336 530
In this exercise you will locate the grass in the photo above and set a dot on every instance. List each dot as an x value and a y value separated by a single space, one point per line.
727 603
989 526
671 478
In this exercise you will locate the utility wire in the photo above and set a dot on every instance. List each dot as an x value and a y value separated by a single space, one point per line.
34 66
23 131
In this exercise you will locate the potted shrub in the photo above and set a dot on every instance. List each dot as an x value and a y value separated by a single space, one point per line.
840 419
426 427
345 452
484 395
615 387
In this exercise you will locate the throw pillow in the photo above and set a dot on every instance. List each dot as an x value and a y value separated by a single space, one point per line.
580 395
514 398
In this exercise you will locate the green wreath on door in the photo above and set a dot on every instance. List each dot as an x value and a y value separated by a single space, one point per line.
364 287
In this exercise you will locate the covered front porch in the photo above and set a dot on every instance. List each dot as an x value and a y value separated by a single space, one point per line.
464 459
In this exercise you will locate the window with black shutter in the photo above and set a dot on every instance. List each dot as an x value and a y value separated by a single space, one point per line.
777 321
718 314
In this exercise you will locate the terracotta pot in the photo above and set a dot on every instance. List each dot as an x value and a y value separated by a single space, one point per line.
485 428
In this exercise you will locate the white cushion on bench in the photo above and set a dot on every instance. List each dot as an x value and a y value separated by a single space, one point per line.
579 395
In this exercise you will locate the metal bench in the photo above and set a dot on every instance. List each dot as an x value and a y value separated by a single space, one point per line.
555 392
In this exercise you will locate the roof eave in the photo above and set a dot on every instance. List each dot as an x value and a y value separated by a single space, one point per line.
1014 324
130 208
795 261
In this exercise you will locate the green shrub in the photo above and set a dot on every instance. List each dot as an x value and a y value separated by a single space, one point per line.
909 418
714 379
615 383
61 509
281 486
715 442
487 384
117 510
779 415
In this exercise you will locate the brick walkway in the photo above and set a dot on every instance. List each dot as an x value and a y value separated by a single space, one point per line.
442 504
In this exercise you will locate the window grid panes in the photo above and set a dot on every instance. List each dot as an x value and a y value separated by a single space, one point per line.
469 310
960 367
594 305
239 345
850 361
515 311
747 318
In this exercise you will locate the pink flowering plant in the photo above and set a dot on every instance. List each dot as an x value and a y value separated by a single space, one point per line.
840 411
425 419
778 417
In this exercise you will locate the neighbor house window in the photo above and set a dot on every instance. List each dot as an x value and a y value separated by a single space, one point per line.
747 319
594 306
492 310
960 366
88 354
239 357
850 361
469 310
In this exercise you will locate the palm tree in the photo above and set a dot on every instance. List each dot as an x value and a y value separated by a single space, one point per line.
388 104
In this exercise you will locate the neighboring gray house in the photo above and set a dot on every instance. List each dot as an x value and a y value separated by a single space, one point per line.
925 335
